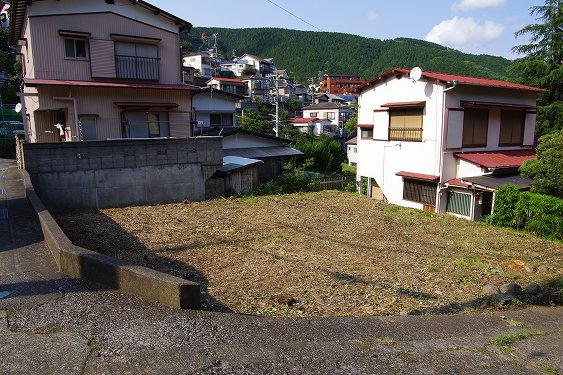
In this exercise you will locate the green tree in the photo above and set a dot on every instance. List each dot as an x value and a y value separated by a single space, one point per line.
248 71
547 169
352 123
542 67
322 154
253 121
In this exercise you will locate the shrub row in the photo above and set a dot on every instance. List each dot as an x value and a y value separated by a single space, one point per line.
285 184
536 213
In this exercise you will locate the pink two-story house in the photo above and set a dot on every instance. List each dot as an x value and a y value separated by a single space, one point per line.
97 70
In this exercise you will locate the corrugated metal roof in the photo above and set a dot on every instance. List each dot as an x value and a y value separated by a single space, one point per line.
498 159
457 182
262 152
493 183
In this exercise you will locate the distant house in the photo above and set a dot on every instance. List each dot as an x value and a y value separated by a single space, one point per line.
201 61
214 108
444 143
263 67
340 84
258 88
352 151
236 66
94 70
336 113
232 85
313 125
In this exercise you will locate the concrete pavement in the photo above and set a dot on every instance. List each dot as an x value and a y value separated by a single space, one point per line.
53 324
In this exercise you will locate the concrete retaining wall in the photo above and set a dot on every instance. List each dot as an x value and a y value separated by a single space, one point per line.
78 262
117 173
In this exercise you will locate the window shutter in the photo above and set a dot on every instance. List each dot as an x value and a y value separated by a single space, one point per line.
381 125
102 58
455 128
180 125
529 129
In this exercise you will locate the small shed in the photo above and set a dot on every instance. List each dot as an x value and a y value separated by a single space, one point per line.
239 173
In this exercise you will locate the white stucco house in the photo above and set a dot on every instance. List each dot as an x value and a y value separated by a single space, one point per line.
336 113
352 151
200 61
314 126
214 108
443 143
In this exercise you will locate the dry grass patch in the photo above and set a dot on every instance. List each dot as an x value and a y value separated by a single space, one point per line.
327 253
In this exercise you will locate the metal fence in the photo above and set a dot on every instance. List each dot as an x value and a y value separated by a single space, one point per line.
337 182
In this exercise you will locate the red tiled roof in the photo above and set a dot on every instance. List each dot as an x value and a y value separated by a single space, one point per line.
498 159
457 182
448 78
302 120
58 82
222 79
418 176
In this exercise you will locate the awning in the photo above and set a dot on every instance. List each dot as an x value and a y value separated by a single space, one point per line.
470 103
418 176
405 104
489 182
498 159
262 152
365 126
457 182
145 105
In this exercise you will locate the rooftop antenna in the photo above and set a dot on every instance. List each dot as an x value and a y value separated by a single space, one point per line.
415 74
214 36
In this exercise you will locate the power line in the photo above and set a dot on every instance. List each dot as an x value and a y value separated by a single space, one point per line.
294 15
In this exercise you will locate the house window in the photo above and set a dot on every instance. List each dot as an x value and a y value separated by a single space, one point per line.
475 127
145 124
136 61
459 203
367 133
419 191
405 124
75 49
511 128
313 114
221 119
329 115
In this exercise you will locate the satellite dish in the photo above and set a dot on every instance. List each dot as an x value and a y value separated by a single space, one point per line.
18 108
415 74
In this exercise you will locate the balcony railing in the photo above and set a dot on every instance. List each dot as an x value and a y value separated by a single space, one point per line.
133 67
405 134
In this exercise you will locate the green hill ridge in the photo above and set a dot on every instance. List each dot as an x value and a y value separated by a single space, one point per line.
306 53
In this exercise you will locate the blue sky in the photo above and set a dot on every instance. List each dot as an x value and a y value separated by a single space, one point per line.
474 26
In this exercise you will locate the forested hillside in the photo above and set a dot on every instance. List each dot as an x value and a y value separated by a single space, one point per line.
306 53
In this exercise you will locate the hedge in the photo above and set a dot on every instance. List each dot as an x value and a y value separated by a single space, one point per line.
536 213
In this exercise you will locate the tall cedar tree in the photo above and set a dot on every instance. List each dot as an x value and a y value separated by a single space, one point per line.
542 67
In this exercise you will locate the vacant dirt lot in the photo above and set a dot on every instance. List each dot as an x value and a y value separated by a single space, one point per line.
328 253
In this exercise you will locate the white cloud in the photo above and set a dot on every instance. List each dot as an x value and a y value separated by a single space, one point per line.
372 16
464 32
465 5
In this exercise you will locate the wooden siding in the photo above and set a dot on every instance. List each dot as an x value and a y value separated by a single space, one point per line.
48 45
101 103
102 58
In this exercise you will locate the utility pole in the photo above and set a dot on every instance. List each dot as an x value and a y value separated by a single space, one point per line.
277 98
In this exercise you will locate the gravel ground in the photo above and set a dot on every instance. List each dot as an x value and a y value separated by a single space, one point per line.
319 254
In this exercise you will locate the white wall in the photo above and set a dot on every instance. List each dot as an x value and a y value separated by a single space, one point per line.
381 160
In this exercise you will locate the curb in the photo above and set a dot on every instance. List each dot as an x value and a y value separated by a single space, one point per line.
126 277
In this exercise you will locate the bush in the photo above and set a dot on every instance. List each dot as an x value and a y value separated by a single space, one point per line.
285 184
536 213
